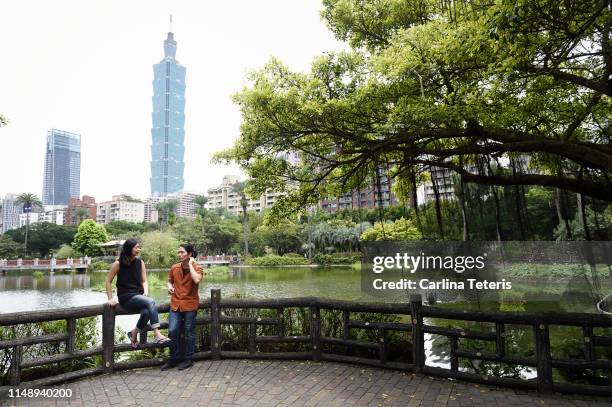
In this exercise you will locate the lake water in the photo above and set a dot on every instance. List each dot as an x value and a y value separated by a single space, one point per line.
22 291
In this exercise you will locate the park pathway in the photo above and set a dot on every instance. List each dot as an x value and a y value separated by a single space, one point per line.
294 383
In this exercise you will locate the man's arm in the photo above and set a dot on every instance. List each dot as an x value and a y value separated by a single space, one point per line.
196 273
170 283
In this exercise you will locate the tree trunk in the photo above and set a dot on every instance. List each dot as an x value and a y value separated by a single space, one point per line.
583 218
464 220
25 250
565 209
434 185
497 214
381 209
245 227
561 214
517 202
598 231
415 202
526 212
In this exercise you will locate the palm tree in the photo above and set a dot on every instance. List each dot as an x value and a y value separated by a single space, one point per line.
239 188
160 207
171 205
81 214
29 202
200 201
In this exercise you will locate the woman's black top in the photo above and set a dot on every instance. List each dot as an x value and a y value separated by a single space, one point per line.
129 280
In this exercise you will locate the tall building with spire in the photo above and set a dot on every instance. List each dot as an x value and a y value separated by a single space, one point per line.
168 131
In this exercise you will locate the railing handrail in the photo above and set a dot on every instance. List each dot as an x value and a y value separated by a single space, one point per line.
562 318
537 322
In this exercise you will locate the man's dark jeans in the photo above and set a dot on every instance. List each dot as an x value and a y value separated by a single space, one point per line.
175 318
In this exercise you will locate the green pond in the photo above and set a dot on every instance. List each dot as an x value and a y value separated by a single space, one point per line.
25 291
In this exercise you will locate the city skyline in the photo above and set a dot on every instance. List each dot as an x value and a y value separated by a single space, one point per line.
90 73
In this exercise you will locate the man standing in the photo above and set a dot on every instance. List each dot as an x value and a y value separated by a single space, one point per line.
183 281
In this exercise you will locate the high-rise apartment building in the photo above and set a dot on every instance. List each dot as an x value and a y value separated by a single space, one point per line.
121 207
168 131
10 212
80 209
51 214
62 178
225 197
185 205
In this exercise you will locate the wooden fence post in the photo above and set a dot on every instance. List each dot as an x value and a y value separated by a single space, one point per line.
15 369
544 364
215 325
418 349
71 329
315 332
108 338
346 330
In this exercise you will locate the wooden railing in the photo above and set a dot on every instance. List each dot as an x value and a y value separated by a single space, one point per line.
320 347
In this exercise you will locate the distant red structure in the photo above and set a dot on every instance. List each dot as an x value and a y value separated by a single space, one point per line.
87 202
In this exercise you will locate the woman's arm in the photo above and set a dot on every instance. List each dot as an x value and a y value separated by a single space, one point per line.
109 280
196 275
145 283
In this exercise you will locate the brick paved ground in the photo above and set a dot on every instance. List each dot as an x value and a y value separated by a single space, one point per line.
295 383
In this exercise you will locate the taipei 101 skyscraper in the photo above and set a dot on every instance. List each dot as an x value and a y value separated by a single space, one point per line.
168 131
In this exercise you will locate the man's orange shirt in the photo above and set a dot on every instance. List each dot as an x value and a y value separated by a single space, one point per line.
185 297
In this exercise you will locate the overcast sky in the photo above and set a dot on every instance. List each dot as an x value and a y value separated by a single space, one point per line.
86 67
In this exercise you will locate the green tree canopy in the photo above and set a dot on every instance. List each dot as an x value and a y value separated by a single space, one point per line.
8 247
282 237
44 236
159 249
459 85
88 235
401 229
122 228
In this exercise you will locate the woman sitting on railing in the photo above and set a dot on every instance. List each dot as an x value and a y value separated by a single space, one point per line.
133 290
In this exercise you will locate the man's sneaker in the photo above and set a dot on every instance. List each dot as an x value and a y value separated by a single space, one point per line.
168 365
185 364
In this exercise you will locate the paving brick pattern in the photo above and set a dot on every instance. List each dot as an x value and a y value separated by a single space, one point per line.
294 383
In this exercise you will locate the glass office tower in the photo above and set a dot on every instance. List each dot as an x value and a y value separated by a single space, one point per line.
62 178
168 131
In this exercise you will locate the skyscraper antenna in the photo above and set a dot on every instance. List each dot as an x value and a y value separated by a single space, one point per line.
170 22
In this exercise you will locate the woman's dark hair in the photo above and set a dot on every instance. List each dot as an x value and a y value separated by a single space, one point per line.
126 251
190 249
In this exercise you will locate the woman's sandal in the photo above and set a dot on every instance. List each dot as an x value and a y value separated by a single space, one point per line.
163 340
133 339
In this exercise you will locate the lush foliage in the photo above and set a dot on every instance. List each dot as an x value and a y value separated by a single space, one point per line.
121 229
501 94
43 237
337 258
99 266
280 237
159 248
275 260
8 247
401 229
86 337
88 236
65 251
